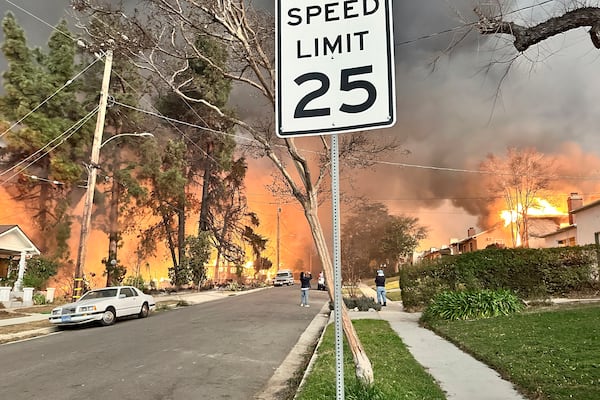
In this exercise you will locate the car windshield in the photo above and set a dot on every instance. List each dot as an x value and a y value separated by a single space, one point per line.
99 294
283 275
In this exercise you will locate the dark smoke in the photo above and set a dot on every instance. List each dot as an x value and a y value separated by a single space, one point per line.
453 112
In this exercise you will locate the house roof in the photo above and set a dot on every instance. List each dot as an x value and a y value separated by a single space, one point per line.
5 228
13 241
461 241
559 231
542 226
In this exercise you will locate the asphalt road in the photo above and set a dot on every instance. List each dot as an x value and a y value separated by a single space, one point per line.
224 349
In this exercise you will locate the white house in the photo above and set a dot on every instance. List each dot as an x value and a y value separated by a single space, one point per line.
15 245
587 220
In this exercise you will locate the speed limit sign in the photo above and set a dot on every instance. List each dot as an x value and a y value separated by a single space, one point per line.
334 67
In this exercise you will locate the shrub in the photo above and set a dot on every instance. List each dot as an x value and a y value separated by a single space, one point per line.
473 305
39 298
135 281
530 273
39 270
363 303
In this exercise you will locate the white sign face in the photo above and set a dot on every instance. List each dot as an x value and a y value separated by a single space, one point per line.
335 67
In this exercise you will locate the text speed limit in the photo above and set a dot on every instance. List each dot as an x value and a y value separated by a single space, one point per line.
335 69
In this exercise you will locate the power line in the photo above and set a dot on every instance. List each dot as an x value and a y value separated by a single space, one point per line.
49 98
59 139
467 25
183 134
38 19
380 162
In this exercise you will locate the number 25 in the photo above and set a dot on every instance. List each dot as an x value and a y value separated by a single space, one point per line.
346 85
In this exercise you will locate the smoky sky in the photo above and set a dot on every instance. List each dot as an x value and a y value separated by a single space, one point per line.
456 105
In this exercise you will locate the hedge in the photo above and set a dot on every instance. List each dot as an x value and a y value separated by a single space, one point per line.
530 273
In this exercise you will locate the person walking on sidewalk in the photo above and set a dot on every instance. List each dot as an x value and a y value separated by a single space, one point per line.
305 278
380 284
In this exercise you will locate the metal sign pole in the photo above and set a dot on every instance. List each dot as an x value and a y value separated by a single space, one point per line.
337 270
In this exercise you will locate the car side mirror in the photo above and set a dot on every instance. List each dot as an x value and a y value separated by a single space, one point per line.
122 296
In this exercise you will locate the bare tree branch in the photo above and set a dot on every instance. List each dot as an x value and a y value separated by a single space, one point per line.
526 37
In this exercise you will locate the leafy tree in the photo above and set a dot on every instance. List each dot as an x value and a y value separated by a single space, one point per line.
42 81
257 242
361 235
401 236
227 214
519 177
114 272
210 154
164 171
372 237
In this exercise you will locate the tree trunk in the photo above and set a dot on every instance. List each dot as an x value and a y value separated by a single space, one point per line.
167 226
113 234
44 206
364 370
203 219
181 232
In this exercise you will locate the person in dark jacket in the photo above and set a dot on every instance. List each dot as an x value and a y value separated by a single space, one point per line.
305 278
380 284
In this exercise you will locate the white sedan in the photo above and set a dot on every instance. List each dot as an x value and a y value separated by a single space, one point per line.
105 306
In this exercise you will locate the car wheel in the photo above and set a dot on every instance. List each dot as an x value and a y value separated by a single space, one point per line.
108 318
144 311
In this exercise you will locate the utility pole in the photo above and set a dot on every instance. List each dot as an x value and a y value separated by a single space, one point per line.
92 173
278 213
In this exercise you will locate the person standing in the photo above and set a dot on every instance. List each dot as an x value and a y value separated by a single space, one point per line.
380 284
305 278
321 281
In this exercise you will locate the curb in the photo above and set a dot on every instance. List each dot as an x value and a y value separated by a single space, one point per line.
295 358
15 337
313 358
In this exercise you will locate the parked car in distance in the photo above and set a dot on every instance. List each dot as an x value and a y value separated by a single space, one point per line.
283 277
104 306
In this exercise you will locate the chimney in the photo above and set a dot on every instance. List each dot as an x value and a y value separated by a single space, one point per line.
574 201
471 232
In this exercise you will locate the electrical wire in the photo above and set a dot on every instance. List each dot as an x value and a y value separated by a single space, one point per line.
239 137
49 98
59 139
470 24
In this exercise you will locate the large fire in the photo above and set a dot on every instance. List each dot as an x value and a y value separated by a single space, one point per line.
539 207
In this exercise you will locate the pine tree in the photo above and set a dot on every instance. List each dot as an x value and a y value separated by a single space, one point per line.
35 78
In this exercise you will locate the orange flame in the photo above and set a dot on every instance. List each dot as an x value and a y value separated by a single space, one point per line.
539 207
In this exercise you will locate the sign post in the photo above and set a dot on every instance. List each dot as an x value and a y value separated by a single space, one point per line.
335 74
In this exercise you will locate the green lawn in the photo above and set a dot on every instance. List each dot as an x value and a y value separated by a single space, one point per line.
392 283
550 354
397 374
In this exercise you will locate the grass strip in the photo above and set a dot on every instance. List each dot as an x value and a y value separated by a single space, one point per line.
397 375
549 354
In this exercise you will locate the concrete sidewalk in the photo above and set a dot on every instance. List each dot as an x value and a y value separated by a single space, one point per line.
460 376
